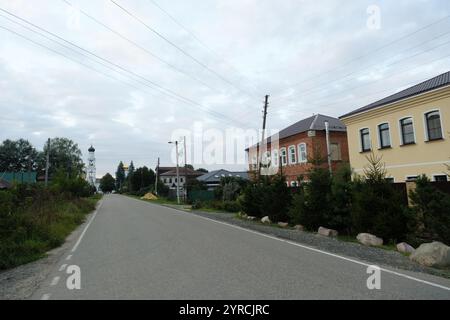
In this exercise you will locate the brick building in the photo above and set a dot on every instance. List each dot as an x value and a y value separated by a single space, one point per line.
298 143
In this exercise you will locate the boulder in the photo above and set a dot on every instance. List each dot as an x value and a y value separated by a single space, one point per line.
368 239
265 219
327 232
299 227
403 247
435 254
283 224
251 218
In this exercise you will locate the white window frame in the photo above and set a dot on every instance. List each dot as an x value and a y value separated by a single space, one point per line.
300 158
284 161
411 176
292 153
425 124
339 149
439 174
361 147
379 135
275 158
401 131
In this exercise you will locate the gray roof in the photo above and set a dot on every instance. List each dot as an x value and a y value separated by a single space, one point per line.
432 84
315 122
215 176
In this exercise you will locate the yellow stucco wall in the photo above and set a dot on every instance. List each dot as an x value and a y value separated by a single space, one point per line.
426 157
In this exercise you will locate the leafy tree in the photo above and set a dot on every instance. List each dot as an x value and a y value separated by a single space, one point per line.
120 176
431 208
341 192
202 170
18 155
107 183
189 166
142 178
131 170
64 154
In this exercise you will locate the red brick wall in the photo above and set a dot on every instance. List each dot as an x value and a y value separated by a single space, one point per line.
314 144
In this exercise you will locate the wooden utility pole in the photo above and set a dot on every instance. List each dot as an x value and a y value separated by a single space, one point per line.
47 162
185 170
266 104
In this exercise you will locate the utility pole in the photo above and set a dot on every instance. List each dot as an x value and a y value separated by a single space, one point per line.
185 170
47 162
327 133
178 171
157 177
266 104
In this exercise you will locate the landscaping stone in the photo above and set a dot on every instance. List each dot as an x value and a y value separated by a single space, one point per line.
299 227
251 218
368 239
405 248
283 224
435 254
327 232
265 219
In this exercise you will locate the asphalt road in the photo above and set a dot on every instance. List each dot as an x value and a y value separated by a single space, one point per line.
132 249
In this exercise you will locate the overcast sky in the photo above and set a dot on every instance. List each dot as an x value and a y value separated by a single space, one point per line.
223 56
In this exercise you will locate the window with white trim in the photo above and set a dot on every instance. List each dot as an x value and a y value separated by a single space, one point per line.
433 125
292 155
384 135
335 150
302 153
407 131
283 156
365 139
275 158
440 178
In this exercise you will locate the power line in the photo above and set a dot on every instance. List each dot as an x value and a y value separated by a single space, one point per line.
372 52
161 89
196 38
184 52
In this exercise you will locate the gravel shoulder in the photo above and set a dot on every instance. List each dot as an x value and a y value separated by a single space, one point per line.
21 282
371 255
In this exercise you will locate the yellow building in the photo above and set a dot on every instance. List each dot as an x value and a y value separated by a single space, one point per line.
410 130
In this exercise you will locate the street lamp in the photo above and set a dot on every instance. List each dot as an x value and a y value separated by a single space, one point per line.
178 172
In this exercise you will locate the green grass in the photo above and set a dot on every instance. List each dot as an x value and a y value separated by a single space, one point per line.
29 232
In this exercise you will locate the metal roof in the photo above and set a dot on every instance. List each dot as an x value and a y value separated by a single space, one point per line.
428 85
215 176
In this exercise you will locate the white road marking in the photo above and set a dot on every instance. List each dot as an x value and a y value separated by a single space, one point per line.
316 250
55 281
63 267
46 296
87 226
69 257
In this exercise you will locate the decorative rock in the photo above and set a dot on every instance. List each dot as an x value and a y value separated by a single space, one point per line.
251 218
435 254
368 239
265 219
299 227
327 232
283 224
405 248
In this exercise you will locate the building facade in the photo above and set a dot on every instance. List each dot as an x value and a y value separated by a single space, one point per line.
169 177
213 179
409 130
298 144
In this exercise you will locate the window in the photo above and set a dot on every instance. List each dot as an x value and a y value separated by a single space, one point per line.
384 135
292 155
294 184
433 124
411 178
335 150
165 180
390 180
283 156
440 178
407 131
302 153
275 158
267 160
170 180
181 180
365 139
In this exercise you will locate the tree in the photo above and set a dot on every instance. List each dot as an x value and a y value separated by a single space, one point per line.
18 155
64 154
202 170
120 176
130 176
341 192
189 166
142 178
107 183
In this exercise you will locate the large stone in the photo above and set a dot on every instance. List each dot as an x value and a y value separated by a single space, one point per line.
368 239
327 232
283 224
403 247
265 219
251 218
435 254
299 227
